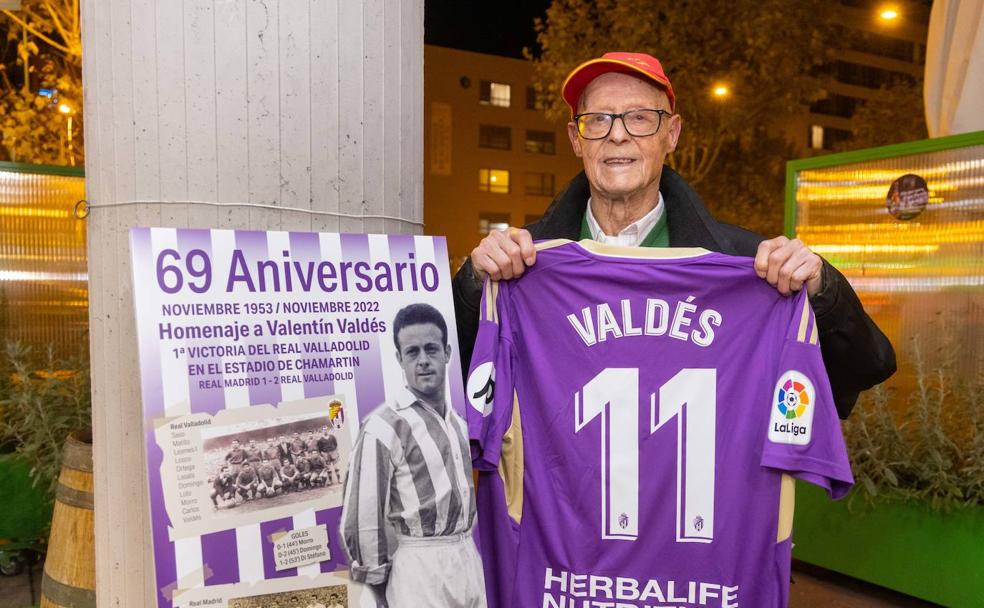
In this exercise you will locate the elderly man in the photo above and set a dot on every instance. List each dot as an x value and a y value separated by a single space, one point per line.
408 506
623 125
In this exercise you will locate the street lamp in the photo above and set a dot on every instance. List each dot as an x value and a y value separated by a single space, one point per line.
888 13
721 91
67 111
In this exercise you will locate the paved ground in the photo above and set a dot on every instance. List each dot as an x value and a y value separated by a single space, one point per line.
817 588
15 591
811 588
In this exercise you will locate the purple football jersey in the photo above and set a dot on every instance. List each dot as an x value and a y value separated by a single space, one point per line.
498 534
661 394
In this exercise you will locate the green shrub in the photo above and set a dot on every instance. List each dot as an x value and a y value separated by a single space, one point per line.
42 400
925 441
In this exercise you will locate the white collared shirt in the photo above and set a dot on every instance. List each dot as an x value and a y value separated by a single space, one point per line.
632 235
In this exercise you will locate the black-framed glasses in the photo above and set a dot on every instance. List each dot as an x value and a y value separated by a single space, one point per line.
637 123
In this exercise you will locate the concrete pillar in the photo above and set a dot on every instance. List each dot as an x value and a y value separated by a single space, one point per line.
303 104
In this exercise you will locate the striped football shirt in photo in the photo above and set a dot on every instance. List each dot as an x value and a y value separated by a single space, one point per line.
410 475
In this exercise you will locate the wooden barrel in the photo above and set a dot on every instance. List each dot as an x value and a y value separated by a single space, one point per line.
69 579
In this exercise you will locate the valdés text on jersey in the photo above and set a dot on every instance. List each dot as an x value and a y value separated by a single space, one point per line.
650 317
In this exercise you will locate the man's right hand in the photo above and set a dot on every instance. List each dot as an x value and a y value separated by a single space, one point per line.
503 254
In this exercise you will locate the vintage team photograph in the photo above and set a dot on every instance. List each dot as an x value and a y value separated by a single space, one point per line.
282 460
335 596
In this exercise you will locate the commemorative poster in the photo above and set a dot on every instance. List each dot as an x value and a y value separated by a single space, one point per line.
260 352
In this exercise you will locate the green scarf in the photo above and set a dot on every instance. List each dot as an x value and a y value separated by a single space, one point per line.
659 235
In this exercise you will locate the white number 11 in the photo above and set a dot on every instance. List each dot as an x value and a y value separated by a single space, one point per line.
690 395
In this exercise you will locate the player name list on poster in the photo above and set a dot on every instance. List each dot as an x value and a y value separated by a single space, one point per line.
186 452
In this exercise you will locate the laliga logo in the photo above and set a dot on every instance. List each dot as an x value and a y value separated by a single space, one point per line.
793 399
792 415
481 388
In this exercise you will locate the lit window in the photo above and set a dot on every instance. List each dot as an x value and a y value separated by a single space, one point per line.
490 136
493 180
828 138
540 184
540 142
487 222
816 137
494 94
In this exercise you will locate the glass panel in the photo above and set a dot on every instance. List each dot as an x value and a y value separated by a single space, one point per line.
489 221
500 94
491 136
835 105
494 94
540 142
499 181
43 270
539 184
493 180
921 278
868 76
816 137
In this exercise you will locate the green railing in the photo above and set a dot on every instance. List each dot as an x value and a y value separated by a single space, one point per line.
42 169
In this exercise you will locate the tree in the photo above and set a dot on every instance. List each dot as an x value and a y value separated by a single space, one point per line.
47 37
763 51
766 52
748 190
896 114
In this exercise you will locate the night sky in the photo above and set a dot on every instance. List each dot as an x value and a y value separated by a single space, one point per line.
500 28
504 27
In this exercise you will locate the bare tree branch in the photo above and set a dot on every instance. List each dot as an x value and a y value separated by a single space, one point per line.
35 32
57 22
709 159
77 24
6 82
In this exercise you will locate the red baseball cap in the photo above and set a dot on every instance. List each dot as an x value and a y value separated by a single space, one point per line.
637 64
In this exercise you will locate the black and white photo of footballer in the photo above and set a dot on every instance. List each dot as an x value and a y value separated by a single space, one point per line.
408 508
279 464
335 596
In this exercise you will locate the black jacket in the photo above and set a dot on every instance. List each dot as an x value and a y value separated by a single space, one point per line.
856 353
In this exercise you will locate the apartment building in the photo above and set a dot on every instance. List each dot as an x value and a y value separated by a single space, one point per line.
877 43
491 158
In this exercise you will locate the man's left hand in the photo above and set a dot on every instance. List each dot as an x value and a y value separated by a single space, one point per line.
789 264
